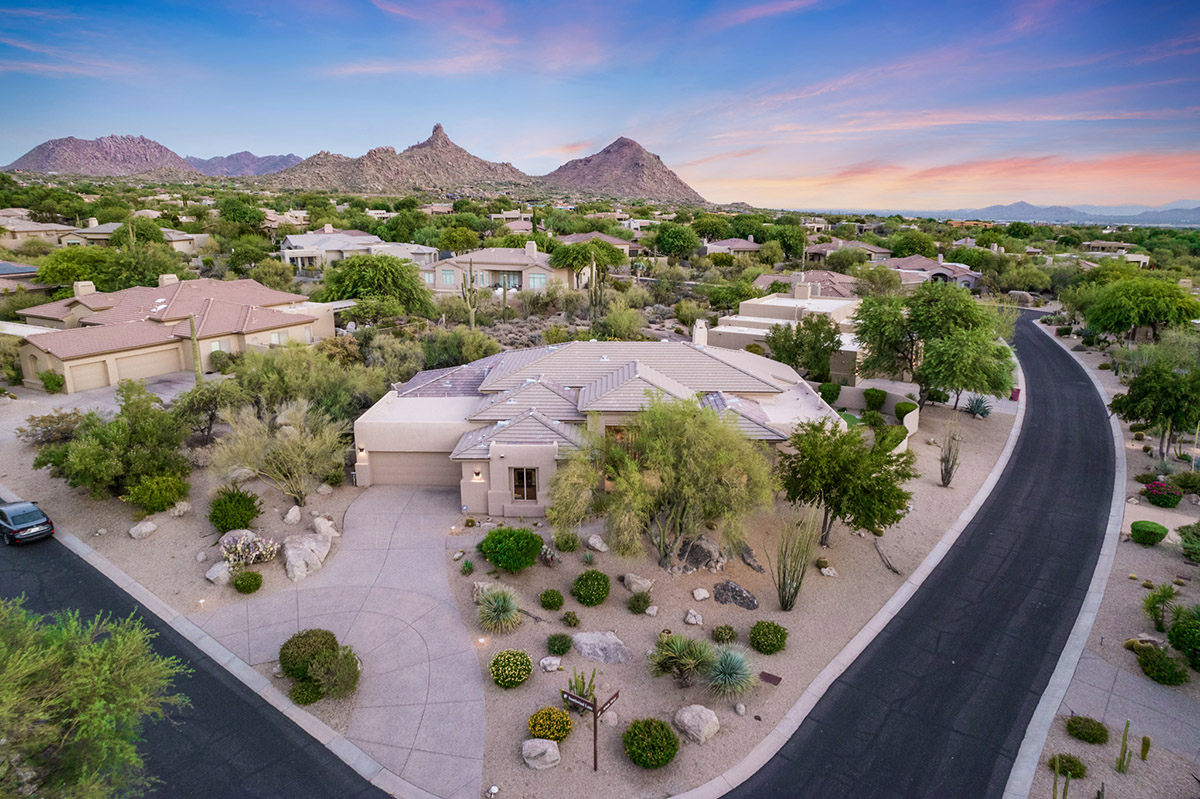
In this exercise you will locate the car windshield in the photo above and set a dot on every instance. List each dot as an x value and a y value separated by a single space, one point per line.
26 517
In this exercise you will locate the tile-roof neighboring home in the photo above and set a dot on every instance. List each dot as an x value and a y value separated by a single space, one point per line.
519 226
1108 247
731 246
15 213
312 251
917 269
78 341
514 268
626 247
148 213
824 282
498 427
98 235
16 230
817 253
966 241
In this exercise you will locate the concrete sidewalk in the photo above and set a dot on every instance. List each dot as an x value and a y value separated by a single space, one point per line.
420 708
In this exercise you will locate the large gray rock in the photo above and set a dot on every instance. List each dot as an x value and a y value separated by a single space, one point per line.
323 525
701 553
539 753
292 516
597 543
697 722
240 475
700 594
602 647
235 537
142 530
180 508
304 554
693 617
550 663
730 593
219 574
637 584
749 559
324 489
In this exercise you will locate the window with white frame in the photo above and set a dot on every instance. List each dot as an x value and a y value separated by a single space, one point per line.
537 280
428 278
447 277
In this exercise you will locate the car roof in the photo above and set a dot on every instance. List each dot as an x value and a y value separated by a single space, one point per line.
19 507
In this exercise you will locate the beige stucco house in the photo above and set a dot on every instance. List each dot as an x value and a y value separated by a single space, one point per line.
514 268
15 231
97 339
313 251
99 235
498 428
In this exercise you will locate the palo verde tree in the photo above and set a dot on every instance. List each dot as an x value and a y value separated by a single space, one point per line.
680 466
1162 397
371 276
1124 306
200 407
833 469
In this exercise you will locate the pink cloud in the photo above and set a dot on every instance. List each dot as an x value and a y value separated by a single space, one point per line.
566 150
451 65
752 13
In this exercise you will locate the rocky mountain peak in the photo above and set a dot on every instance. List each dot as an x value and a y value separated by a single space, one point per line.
624 169
107 156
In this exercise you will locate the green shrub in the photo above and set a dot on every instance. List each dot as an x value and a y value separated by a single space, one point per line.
1162 495
724 634
1106 366
732 674
566 542
233 508
650 743
589 558
510 668
1062 330
591 587
1156 604
1138 427
1087 729
874 398
298 652
52 381
56 427
639 602
336 671
1139 436
467 567
570 619
220 361
511 548
158 492
559 644
904 409
1184 636
551 723
1147 533
1188 482
1146 448
682 657
937 395
768 637
305 692
1067 765
499 611
1189 537
1145 477
873 419
829 392
247 582
551 599
1161 667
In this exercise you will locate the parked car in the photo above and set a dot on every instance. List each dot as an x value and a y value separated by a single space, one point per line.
22 522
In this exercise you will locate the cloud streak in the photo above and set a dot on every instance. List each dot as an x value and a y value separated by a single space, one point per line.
753 13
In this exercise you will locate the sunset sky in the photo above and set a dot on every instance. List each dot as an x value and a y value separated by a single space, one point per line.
785 103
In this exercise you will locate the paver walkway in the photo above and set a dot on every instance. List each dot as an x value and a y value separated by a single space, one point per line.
1109 693
420 708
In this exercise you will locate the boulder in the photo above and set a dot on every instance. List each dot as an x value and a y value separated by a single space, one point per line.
304 554
652 610
1132 501
236 536
597 543
102 531
323 525
292 516
240 475
142 529
219 574
550 663
636 584
602 647
740 709
829 571
1193 498
693 618
478 589
324 489
730 593
749 559
697 722
700 553
201 556
700 594
539 753
180 508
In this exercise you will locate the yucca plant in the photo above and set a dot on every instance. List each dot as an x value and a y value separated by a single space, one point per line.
499 611
732 674
683 658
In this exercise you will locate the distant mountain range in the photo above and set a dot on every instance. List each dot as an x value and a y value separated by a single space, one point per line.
1179 213
622 170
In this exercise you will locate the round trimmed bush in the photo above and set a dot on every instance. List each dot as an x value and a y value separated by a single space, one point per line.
499 611
874 398
511 548
1184 636
510 668
551 599
247 582
570 619
1161 667
551 723
904 409
233 508
336 671
1087 729
298 652
559 644
768 637
305 692
591 587
1145 477
1139 436
724 634
1147 533
156 493
639 602
566 542
829 392
1067 766
650 743
1162 495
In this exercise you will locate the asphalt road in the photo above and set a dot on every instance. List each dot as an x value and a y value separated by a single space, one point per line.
230 742
938 703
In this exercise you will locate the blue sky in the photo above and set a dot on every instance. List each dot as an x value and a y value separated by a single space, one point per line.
788 103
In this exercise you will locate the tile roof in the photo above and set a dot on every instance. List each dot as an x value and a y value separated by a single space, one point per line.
221 318
496 256
19 225
833 284
751 419
79 342
739 244
548 396
528 427
577 238
626 389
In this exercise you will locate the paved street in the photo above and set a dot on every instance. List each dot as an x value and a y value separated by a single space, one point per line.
938 704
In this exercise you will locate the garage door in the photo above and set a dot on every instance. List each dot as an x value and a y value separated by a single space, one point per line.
135 367
89 375
414 468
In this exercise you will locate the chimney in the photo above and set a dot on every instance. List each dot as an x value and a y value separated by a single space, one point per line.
750 238
995 246
802 291
327 229
83 287
941 258
816 289
700 333
92 221
531 248
167 280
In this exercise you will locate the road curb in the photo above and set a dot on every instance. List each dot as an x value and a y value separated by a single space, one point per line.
1020 778
770 746
366 766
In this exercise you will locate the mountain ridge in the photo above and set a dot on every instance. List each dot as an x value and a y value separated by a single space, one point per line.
242 164
107 156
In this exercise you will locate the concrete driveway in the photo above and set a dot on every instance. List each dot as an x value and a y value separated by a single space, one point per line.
420 708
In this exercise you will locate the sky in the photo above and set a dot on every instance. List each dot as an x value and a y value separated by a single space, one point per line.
808 104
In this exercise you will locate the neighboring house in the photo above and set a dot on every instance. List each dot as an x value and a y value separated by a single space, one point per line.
969 223
512 268
15 276
578 238
376 213
508 217
638 224
273 220
99 235
616 216
313 251
1107 247
103 338
917 269
498 427
148 213
818 253
1138 258
824 283
756 317
731 246
18 230
816 224
437 209
520 226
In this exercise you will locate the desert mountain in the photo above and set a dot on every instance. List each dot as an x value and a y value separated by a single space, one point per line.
623 169
1174 214
436 163
109 156
241 164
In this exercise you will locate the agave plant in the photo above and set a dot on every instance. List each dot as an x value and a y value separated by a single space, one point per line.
683 658
732 674
499 611
978 405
